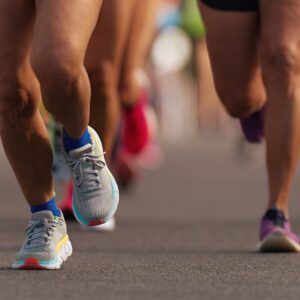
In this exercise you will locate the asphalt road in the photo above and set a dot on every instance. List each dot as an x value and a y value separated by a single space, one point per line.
188 231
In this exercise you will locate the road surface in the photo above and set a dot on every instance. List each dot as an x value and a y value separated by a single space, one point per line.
188 231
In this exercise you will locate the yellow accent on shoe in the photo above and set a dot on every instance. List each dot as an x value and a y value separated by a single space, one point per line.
61 243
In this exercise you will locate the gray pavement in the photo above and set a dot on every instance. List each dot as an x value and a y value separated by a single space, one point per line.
188 231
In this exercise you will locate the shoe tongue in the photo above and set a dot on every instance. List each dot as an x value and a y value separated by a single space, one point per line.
44 214
77 153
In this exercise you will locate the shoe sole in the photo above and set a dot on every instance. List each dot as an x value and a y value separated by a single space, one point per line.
109 226
115 193
33 263
278 242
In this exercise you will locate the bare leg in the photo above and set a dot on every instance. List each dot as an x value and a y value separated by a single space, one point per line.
232 40
139 40
61 36
210 110
62 33
23 132
56 56
280 23
103 63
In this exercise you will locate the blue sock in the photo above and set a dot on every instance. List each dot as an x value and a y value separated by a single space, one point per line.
71 144
50 205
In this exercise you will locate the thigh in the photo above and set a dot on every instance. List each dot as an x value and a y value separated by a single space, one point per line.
16 24
109 37
63 29
232 40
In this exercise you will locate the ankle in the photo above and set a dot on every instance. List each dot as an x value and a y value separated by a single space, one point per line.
49 205
279 207
70 143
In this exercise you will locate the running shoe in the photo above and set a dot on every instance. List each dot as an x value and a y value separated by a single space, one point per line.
138 149
66 207
276 234
135 135
46 245
125 169
128 167
95 192
253 126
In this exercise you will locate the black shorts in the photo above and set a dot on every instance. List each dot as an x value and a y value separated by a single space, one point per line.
232 5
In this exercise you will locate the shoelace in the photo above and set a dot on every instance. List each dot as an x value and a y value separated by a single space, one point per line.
40 232
86 170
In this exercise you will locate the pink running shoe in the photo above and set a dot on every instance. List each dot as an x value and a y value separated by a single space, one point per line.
276 234
138 149
135 135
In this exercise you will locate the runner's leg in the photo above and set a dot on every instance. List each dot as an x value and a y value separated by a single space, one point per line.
103 62
62 32
23 132
232 39
139 39
280 35
136 132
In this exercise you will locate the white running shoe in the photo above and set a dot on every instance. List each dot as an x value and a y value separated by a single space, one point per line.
46 245
95 193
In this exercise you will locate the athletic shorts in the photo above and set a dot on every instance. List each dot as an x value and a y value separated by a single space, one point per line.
232 5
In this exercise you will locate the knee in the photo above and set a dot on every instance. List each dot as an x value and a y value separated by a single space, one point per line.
56 73
16 105
59 77
239 103
281 62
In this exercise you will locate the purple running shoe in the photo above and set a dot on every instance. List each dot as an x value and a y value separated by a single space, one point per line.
276 234
253 126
